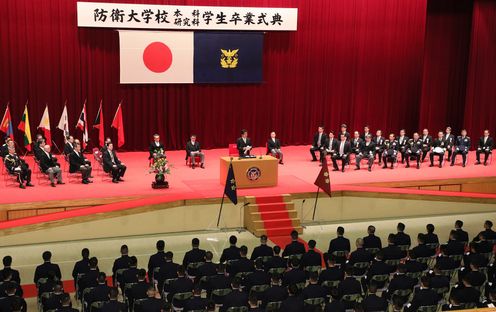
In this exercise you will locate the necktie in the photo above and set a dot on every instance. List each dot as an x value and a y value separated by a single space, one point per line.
318 141
341 149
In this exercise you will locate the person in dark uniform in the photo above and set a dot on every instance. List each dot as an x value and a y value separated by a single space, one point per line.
392 251
313 289
152 303
400 281
258 277
274 147
402 145
422 250
430 236
485 147
344 131
349 286
293 303
112 164
219 281
82 266
294 275
38 148
414 150
253 305
89 279
311 257
113 305
366 131
488 232
333 272
275 292
378 267
466 292
158 259
156 148
371 240
42 270
263 250
360 255
69 145
12 302
130 276
193 150
372 302
138 290
66 304
123 262
79 163
335 305
438 148
182 284
462 146
367 151
17 166
7 267
342 153
100 293
195 255
6 279
276 261
424 296
237 298
426 143
208 268
319 143
243 264
331 146
232 252
390 153
450 142
356 144
295 247
379 145
196 303
244 144
339 244
401 238
461 235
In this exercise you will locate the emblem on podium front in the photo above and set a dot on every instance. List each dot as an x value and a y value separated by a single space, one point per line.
253 173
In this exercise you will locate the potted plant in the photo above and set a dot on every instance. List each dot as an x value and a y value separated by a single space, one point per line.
161 168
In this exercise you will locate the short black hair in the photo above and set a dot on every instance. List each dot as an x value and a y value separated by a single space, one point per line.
113 292
294 234
277 249
133 261
459 223
160 245
401 227
430 228
488 223
243 131
102 277
293 289
312 243
47 256
340 230
195 242
85 252
181 270
93 262
124 249
169 255
233 240
209 255
243 250
7 261
141 274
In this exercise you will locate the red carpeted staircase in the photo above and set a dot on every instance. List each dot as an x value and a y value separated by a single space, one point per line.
271 215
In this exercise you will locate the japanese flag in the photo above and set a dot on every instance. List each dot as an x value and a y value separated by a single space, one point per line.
156 56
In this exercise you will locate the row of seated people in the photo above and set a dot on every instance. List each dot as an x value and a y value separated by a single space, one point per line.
367 147
472 266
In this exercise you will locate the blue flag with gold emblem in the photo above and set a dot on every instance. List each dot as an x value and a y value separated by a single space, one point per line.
230 188
228 57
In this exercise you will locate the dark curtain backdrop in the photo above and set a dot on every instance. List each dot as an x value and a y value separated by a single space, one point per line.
480 109
352 61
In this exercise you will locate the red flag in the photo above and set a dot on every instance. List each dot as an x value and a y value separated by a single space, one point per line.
45 126
323 180
118 124
6 124
99 125
83 125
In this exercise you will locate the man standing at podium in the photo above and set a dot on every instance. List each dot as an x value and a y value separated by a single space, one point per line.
274 147
244 144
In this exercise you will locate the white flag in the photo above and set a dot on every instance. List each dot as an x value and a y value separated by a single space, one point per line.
156 56
64 122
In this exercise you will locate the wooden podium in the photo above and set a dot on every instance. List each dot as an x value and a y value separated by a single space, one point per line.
251 172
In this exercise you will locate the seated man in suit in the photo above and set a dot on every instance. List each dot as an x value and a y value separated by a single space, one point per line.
356 143
244 144
366 131
112 164
390 153
379 145
438 148
344 130
274 147
402 145
342 153
462 147
426 143
17 166
485 147
450 142
38 148
77 162
69 145
331 146
193 149
414 150
105 144
156 149
43 270
319 143
50 166
367 151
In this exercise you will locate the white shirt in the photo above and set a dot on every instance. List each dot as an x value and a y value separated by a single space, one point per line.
485 139
341 148
320 137
157 144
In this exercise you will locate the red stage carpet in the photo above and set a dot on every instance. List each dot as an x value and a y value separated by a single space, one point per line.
295 176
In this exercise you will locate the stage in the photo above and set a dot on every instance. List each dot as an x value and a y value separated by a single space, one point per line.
296 176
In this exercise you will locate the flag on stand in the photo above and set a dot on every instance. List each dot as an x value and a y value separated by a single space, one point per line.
323 180
230 187
24 127
118 124
45 126
98 124
6 124
83 125
64 121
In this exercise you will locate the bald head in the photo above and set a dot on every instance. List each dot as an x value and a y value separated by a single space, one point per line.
359 242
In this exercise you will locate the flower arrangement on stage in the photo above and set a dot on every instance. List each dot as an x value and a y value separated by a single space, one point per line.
161 168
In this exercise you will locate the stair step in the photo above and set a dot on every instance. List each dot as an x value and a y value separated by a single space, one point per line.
271 207
275 223
274 214
269 199
278 231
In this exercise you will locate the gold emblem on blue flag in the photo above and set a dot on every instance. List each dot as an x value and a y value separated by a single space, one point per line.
229 58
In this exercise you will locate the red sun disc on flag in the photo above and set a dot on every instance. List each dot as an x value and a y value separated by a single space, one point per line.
157 57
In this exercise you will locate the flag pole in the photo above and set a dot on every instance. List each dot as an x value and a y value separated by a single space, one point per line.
315 205
220 210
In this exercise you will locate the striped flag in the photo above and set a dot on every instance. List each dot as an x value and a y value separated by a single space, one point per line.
24 127
83 125
98 124
6 124
45 126
118 124
64 121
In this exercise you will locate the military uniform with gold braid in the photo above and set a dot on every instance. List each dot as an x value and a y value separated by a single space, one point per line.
462 147
17 166
413 152
438 149
390 152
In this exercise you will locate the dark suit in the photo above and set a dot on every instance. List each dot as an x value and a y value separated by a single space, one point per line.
292 304
275 293
414 152
438 143
193 150
152 305
120 263
15 274
349 286
236 298
47 161
77 162
242 265
373 303
450 143
114 306
293 248
339 243
196 303
294 276
331 147
390 152
167 271
342 154
402 146
426 145
356 145
357 256
241 144
318 145
195 255
6 304
180 285
274 148
461 235
261 251
367 151
484 148
109 161
379 146
156 149
462 147
422 297
156 261
68 148
43 269
311 258
99 293
372 241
